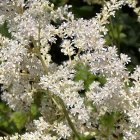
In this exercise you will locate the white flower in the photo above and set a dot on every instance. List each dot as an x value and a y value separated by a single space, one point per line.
134 116
41 124
62 130
67 48
124 58
27 70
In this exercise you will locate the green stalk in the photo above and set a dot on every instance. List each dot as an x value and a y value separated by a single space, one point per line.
56 99
68 118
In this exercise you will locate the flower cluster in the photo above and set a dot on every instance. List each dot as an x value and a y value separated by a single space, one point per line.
28 72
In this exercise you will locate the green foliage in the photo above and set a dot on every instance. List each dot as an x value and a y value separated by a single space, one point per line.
34 110
19 118
83 73
109 123
11 122
6 125
4 30
124 32
108 120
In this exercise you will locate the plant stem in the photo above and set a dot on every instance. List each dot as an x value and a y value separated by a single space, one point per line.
57 100
68 118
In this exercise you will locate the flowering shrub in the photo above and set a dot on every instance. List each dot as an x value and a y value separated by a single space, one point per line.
90 95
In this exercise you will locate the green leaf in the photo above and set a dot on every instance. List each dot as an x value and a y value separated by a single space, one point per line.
108 120
83 73
4 108
4 30
88 137
34 110
3 120
19 118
